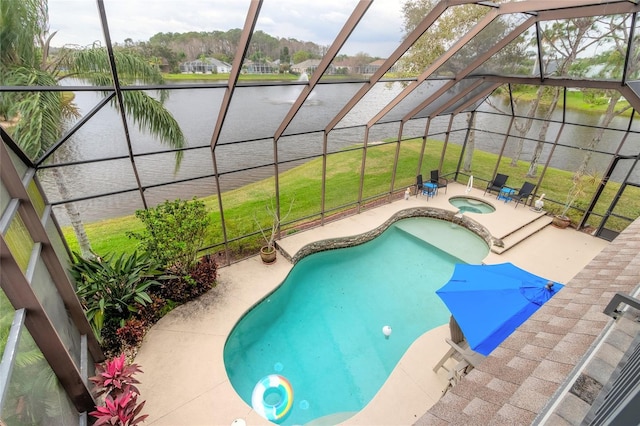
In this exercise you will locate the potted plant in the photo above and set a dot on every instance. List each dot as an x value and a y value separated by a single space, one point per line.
581 181
268 251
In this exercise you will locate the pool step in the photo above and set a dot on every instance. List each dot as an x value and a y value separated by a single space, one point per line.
513 238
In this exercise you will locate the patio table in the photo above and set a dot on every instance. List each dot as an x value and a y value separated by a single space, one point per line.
506 193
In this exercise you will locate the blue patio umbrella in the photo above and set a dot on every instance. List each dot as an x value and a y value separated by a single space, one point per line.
490 301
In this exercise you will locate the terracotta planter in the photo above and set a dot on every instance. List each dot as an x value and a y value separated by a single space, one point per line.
267 255
561 222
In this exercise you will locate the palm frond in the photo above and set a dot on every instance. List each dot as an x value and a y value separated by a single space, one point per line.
145 111
90 62
21 24
40 113
150 115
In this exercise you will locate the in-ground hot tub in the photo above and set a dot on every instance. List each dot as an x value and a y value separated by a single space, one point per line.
471 205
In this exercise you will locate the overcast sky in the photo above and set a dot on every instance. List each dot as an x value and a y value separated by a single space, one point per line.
378 34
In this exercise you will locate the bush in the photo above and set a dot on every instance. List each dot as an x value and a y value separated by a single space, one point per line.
205 272
152 312
198 281
110 290
174 232
122 298
132 332
114 380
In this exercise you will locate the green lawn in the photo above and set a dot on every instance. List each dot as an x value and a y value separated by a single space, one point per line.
255 77
575 101
225 77
243 207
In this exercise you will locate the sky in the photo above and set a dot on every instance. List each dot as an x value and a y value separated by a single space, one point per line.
378 34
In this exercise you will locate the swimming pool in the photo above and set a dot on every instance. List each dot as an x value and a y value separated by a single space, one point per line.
471 205
321 330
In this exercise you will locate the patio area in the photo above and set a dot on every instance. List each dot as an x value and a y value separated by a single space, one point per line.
184 380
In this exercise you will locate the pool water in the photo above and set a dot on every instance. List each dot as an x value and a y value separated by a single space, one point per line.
322 328
471 205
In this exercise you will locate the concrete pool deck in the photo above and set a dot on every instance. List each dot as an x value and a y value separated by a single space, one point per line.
184 380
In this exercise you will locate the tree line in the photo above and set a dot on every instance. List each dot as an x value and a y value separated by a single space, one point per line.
594 47
176 48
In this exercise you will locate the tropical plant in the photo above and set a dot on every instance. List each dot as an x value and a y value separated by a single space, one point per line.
37 119
112 376
115 379
184 288
110 288
132 332
123 410
174 233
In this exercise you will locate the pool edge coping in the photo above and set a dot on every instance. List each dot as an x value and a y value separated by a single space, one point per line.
455 217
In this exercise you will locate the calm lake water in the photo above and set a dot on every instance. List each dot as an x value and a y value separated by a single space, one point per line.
254 115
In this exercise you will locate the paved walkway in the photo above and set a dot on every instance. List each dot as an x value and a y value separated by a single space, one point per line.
185 382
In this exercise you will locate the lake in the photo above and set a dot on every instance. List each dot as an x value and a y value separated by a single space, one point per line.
253 118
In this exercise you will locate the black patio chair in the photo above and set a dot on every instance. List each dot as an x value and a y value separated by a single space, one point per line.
523 193
419 185
497 183
438 180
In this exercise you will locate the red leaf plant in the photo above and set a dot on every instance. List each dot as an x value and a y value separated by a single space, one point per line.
115 380
112 376
120 411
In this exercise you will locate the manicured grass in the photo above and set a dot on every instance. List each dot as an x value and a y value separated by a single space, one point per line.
575 101
243 207
257 77
225 77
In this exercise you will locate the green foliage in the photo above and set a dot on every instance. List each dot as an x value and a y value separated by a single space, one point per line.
111 289
188 287
301 56
595 97
169 306
174 232
439 38
37 118
242 204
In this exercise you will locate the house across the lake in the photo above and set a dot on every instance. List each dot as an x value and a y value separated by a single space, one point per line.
205 66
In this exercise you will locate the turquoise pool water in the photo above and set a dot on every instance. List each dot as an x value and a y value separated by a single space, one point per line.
322 328
471 205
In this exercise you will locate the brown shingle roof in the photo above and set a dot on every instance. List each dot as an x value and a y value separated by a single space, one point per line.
519 379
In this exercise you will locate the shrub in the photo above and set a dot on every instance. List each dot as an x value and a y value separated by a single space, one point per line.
198 281
110 341
205 272
152 312
111 289
123 410
132 332
112 376
174 232
114 380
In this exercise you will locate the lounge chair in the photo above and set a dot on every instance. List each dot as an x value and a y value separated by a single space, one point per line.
466 360
497 183
419 185
438 180
523 193
469 355
458 346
